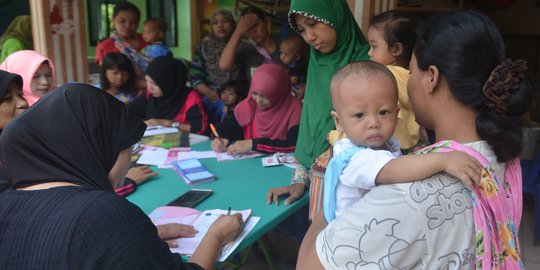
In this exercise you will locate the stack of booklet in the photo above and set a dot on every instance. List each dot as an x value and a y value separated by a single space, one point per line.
193 171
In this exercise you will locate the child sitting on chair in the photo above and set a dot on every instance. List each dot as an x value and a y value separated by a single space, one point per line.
364 97
291 57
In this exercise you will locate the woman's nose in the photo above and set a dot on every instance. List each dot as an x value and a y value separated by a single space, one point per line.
309 35
44 80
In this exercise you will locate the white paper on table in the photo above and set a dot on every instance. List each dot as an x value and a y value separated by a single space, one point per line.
196 138
189 245
156 157
156 130
196 154
228 249
224 156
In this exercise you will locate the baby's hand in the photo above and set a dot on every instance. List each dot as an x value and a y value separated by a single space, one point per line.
463 166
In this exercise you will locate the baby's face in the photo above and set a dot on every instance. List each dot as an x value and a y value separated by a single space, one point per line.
366 110
286 53
151 33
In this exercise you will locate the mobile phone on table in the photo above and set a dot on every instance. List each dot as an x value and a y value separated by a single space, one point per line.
191 198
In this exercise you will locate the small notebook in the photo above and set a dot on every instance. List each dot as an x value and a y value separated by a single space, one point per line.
193 171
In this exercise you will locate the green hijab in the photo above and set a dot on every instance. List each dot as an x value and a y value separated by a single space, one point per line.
351 46
21 29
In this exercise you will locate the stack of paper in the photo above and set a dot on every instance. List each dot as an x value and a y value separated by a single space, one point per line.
193 171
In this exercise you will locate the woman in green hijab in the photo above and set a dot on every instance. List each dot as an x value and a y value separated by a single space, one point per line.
329 27
18 36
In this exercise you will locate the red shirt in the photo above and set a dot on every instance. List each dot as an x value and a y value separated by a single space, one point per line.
107 46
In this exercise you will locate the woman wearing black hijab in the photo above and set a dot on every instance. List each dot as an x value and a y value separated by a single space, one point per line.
168 101
62 158
12 104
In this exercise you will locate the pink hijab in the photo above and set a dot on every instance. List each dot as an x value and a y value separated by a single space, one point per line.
26 63
273 82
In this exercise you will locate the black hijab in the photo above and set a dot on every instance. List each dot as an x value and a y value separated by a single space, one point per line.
5 80
73 134
171 76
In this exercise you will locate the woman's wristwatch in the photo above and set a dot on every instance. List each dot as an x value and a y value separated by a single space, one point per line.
175 124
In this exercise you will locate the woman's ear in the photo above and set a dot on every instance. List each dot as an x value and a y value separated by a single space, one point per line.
397 49
433 77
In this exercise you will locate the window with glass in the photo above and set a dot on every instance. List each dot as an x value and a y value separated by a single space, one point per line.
100 24
166 10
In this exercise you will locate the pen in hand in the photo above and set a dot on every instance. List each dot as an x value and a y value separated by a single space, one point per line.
214 131
229 211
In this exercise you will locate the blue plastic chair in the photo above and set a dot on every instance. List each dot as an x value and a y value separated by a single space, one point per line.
531 185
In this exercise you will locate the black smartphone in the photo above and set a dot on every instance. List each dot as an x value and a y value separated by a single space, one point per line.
191 198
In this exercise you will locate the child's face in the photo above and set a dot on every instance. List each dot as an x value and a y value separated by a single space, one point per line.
317 34
366 110
221 27
42 80
379 51
229 97
287 54
153 88
116 78
126 23
151 33
262 102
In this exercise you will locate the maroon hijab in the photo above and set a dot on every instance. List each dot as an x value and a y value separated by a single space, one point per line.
273 82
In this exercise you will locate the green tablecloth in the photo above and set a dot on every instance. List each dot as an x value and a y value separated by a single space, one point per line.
240 184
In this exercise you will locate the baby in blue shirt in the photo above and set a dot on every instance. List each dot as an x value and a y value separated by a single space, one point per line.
154 30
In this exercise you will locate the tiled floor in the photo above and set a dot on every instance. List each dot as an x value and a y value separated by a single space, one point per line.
285 247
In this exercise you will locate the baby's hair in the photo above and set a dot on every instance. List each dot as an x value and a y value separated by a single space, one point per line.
466 47
358 70
159 23
116 60
397 28
297 42
126 6
239 89
253 10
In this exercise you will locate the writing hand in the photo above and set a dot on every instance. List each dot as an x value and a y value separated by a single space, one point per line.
219 145
226 228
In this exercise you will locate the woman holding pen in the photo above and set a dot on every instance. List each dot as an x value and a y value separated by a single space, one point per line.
269 116
64 215
168 101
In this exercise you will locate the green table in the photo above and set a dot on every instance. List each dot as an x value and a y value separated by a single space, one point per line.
240 184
